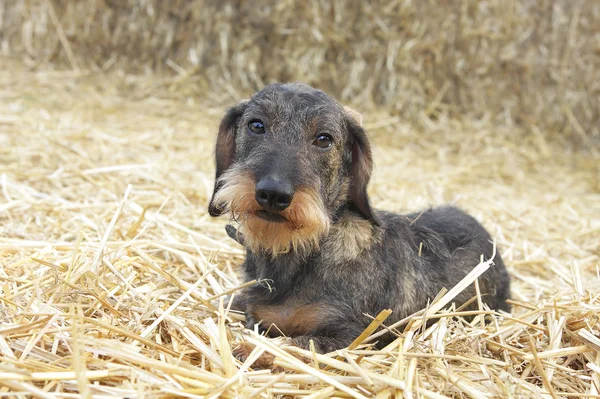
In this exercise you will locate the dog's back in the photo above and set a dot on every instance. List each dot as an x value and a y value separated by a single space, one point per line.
454 242
409 259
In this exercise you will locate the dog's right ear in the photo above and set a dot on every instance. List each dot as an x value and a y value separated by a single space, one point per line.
361 166
225 149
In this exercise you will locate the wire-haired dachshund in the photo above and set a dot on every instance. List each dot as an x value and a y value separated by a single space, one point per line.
292 169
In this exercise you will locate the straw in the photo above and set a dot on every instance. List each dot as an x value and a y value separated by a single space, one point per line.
113 278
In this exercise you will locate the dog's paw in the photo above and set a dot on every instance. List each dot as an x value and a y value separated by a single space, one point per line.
251 321
264 362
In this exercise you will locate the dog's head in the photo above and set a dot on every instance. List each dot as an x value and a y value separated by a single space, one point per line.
287 161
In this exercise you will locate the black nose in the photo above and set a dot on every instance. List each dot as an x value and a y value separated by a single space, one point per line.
273 194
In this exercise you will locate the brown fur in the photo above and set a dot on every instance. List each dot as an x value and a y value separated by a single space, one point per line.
265 361
306 217
290 319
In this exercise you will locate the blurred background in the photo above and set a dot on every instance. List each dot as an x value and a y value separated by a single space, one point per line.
532 64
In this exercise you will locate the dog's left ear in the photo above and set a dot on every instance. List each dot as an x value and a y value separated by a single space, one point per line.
361 165
225 149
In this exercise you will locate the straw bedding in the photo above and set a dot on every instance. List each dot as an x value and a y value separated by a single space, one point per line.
112 272
114 279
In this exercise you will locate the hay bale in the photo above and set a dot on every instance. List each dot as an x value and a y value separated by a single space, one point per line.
112 273
527 62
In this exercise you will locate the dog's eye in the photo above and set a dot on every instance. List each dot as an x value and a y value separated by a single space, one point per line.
256 127
323 141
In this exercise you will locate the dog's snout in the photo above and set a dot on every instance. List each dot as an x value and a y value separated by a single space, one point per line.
273 194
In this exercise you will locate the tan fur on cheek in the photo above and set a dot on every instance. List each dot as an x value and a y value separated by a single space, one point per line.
306 218
236 195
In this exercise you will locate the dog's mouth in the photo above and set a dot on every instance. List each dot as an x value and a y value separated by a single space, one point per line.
270 216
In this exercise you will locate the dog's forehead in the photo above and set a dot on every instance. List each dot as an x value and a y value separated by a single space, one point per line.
295 103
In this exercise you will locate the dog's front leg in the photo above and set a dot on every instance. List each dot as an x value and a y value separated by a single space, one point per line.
238 302
323 343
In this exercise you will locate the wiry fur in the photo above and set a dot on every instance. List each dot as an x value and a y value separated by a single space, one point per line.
335 259
306 219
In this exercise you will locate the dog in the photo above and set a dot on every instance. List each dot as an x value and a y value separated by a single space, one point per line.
292 169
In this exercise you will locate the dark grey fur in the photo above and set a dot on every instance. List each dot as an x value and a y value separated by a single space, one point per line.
388 272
